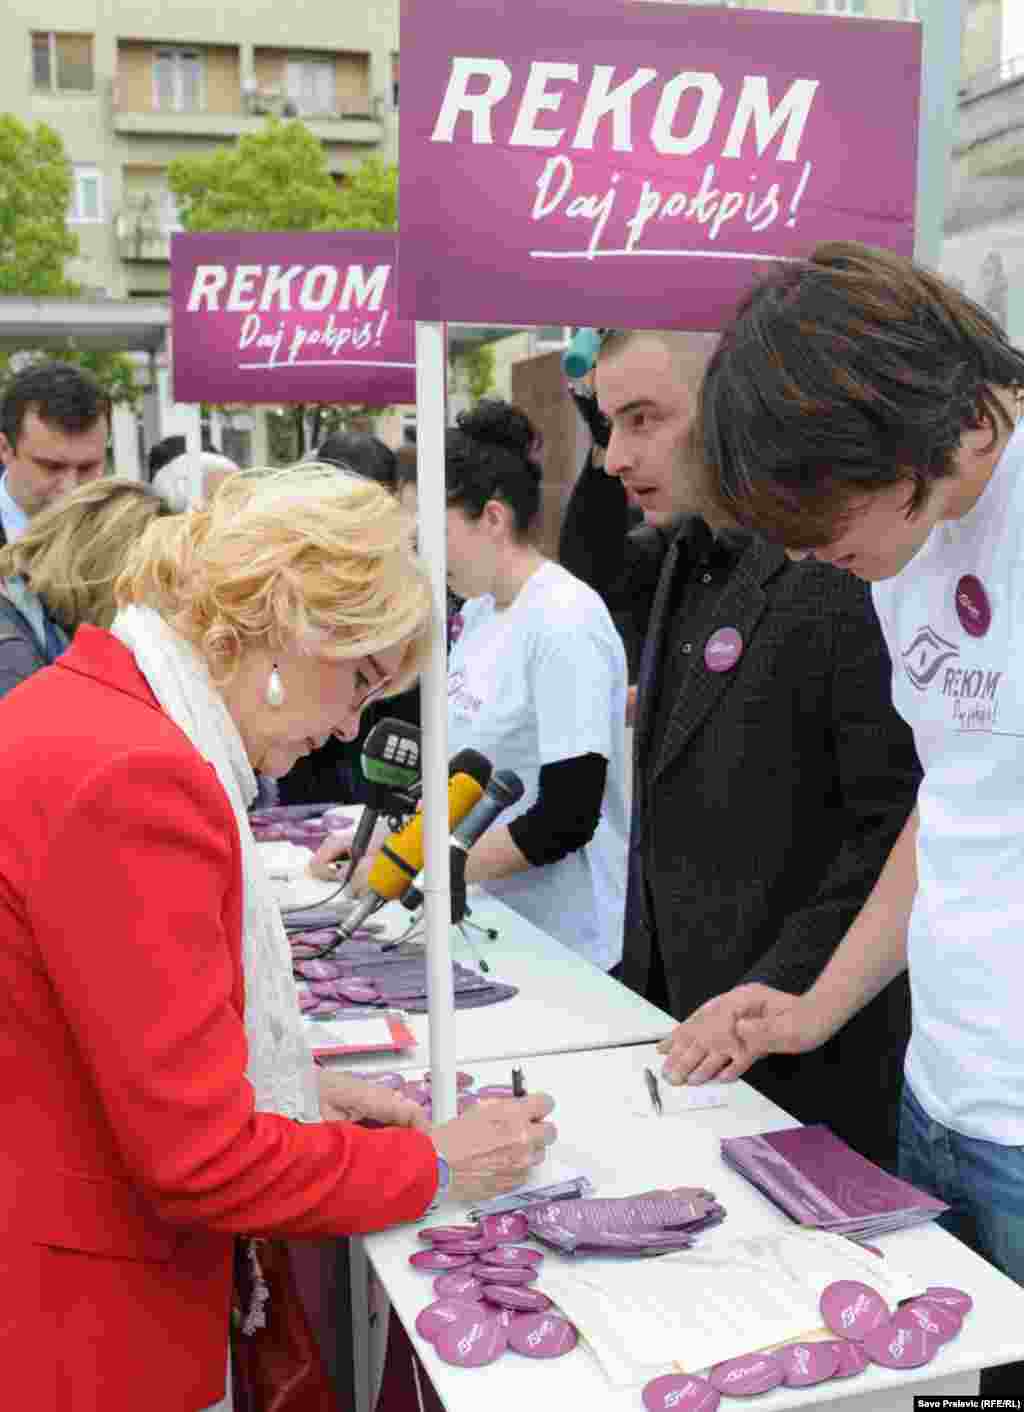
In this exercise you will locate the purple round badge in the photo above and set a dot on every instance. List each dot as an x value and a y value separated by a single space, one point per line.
896 1346
807 1363
935 1319
542 1335
851 1309
680 1390
472 1341
458 1285
358 994
973 607
436 1233
954 1299
464 1246
503 1275
723 650
851 1358
528 1301
506 1228
511 1255
435 1259
747 1376
443 1313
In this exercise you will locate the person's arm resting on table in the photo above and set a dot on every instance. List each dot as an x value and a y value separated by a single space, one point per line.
873 953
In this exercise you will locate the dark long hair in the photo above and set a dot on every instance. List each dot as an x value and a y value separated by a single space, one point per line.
489 455
852 371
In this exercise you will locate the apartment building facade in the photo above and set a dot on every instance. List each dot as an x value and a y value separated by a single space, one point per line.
130 85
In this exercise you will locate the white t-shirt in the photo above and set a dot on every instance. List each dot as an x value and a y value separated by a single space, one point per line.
963 697
541 681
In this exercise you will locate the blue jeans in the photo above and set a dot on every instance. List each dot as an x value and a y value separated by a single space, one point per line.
983 1182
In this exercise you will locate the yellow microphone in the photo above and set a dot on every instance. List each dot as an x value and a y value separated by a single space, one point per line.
401 857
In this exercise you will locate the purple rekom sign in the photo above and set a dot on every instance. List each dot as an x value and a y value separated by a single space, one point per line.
632 164
289 317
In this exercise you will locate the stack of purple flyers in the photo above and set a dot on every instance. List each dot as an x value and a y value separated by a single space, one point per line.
821 1183
651 1223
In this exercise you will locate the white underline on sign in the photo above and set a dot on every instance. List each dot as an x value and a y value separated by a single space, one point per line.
323 363
685 254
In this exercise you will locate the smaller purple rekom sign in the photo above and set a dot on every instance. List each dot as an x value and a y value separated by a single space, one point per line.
637 165
289 316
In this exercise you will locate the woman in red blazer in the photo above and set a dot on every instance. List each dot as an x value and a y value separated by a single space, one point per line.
156 1102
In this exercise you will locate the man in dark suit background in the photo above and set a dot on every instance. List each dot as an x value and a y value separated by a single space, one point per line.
772 774
54 424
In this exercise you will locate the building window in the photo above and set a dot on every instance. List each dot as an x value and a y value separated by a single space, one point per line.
841 7
394 80
62 63
86 195
178 80
309 84
170 216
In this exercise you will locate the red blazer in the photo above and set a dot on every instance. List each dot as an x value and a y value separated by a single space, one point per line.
132 1153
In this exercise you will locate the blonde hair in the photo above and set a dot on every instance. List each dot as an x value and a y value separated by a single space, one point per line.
72 552
308 556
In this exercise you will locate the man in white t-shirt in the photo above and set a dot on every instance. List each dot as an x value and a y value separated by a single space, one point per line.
861 411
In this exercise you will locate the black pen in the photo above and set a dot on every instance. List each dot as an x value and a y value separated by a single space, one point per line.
518 1086
653 1091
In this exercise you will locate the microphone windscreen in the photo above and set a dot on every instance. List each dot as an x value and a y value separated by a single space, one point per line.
472 763
401 857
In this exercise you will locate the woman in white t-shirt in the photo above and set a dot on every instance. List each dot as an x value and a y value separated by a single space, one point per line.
537 682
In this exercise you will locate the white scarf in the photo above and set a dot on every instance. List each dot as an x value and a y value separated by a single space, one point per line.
280 1066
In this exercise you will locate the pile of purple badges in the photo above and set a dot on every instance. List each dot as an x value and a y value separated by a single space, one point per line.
651 1223
866 1333
307 824
484 1305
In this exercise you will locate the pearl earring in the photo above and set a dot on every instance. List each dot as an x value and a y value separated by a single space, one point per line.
274 694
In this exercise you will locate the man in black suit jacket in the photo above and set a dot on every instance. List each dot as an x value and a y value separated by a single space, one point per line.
772 773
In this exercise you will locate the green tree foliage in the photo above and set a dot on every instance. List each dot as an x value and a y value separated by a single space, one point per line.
274 179
478 368
278 179
369 197
35 244
35 188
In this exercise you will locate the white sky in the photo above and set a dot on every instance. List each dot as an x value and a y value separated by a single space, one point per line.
1013 28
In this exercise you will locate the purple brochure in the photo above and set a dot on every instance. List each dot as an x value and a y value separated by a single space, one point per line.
820 1182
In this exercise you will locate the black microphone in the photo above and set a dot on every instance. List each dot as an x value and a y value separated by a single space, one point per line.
504 789
390 765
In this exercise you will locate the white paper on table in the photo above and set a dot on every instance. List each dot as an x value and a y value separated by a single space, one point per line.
695 1308
358 1034
679 1102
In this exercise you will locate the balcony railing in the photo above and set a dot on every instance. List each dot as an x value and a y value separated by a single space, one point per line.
142 232
350 124
987 80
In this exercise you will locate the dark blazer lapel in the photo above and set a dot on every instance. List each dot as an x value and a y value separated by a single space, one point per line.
741 605
650 660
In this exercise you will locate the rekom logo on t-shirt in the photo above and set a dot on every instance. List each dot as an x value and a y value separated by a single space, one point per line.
932 662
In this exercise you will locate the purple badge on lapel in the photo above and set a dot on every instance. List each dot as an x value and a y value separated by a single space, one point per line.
723 650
